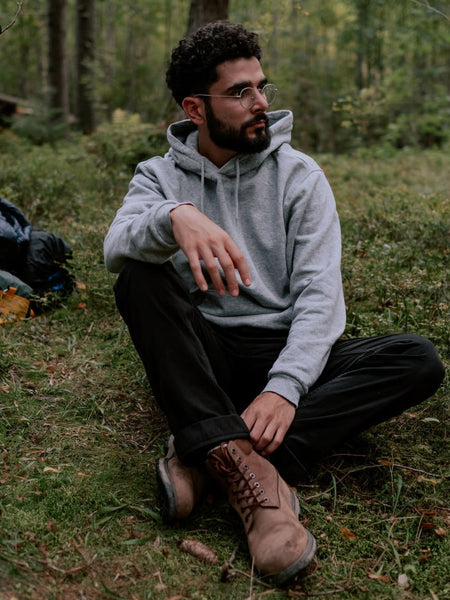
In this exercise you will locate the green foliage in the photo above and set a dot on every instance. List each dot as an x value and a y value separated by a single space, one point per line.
80 431
41 125
126 141
355 73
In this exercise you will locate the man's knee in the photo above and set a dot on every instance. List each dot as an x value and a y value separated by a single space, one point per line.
426 368
141 280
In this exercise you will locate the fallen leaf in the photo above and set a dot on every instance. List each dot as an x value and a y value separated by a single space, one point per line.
411 415
50 470
426 554
347 534
379 577
427 480
428 513
51 525
425 557
440 531
403 581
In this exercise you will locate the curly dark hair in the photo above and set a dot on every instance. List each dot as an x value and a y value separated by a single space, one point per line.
192 68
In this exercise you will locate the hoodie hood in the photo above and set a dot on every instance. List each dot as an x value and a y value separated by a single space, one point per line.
183 140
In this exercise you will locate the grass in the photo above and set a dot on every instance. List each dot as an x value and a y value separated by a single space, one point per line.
80 432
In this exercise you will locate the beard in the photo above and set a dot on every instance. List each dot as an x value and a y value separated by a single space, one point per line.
230 138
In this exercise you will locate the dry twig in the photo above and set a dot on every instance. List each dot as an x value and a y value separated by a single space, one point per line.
19 8
426 4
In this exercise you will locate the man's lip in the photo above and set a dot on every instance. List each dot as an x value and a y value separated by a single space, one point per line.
258 121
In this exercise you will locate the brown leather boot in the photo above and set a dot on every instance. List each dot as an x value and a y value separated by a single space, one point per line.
180 487
269 509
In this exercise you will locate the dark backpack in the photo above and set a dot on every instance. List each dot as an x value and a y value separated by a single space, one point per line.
39 258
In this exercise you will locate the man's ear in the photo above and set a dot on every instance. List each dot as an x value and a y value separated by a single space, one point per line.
194 109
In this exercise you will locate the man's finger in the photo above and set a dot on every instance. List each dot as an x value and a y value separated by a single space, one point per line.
239 263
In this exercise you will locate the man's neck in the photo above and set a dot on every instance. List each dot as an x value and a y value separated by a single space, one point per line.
208 149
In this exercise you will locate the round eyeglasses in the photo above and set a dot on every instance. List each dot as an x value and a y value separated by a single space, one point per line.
247 96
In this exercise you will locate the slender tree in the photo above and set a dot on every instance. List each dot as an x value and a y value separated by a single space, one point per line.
85 53
200 13
58 96
206 11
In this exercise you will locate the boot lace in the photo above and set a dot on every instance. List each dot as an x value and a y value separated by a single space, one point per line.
245 488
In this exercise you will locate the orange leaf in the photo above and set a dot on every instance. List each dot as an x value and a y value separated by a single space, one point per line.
429 513
347 534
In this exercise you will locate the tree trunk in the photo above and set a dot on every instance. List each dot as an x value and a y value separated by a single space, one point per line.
85 65
58 96
201 12
206 11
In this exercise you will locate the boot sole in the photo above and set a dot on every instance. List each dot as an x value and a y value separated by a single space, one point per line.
167 499
283 578
295 504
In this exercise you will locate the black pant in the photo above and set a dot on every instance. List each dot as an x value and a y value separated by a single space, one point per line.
203 376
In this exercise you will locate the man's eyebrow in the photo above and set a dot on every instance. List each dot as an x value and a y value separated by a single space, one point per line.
244 84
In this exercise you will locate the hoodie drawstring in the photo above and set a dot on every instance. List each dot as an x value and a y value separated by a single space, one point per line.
202 185
236 191
236 188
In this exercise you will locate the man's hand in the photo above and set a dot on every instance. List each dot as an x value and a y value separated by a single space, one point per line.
268 418
202 240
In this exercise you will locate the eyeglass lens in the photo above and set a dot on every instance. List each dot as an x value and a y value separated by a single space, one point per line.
248 97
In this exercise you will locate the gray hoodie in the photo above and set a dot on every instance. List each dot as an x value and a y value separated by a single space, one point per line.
279 209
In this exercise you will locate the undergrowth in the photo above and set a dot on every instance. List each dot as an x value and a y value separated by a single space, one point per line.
80 432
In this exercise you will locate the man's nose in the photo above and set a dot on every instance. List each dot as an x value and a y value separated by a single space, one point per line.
260 104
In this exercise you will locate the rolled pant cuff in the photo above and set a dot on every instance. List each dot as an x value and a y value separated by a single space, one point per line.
193 443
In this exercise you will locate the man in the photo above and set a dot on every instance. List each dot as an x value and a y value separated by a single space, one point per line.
228 250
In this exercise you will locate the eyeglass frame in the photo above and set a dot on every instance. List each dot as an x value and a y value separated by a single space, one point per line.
239 96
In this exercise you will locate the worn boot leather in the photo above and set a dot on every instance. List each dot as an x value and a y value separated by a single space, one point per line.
280 546
180 487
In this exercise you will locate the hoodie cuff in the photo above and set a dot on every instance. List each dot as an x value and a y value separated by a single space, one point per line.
286 387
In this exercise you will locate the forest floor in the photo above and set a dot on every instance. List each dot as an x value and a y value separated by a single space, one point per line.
80 432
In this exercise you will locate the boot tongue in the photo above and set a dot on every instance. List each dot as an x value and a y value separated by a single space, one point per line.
260 476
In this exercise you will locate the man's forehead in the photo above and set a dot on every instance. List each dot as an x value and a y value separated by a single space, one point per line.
239 70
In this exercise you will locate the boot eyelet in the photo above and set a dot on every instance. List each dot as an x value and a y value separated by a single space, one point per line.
252 475
245 466
257 484
266 499
233 450
261 492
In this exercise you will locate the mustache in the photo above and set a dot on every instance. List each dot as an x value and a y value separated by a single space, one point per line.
260 118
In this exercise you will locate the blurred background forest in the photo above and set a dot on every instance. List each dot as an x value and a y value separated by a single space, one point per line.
354 72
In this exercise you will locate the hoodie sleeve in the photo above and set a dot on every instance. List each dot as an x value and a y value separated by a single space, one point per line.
142 227
318 309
